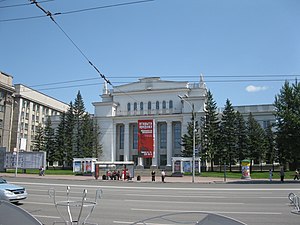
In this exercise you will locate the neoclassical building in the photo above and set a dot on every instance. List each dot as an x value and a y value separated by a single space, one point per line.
149 98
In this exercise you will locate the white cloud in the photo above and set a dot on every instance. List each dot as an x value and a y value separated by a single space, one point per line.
252 88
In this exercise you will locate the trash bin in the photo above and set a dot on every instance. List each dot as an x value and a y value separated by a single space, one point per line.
138 178
103 177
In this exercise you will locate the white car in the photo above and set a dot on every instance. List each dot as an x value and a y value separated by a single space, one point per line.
11 192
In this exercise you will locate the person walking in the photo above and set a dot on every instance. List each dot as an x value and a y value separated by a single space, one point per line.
282 175
270 174
163 175
296 175
153 175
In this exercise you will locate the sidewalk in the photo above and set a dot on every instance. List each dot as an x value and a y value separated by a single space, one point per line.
145 179
168 179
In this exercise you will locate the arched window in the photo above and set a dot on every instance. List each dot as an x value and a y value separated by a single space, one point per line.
149 105
142 106
157 104
170 104
135 106
128 107
164 105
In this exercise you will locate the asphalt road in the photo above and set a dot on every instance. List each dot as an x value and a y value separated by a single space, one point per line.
126 203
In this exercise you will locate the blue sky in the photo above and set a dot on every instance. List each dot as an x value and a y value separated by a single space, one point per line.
244 48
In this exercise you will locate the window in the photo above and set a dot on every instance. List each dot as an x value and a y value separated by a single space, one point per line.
149 105
164 105
157 105
163 160
177 135
1 108
162 135
141 106
1 123
135 106
135 136
128 107
121 133
170 104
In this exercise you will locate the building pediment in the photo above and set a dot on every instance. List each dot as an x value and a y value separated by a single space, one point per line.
150 84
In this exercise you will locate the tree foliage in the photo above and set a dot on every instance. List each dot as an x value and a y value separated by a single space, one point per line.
287 112
210 130
228 135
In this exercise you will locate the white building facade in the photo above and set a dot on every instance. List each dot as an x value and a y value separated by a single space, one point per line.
31 109
149 98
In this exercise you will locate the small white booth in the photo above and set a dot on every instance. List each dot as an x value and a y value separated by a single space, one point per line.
84 165
184 164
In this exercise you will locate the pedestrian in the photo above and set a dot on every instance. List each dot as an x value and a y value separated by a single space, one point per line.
153 175
163 175
42 171
282 174
270 174
296 175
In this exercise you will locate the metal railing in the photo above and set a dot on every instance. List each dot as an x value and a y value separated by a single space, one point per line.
295 201
75 212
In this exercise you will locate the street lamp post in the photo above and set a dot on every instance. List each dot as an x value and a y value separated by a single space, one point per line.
194 135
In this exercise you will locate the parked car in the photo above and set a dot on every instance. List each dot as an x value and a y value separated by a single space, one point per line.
11 192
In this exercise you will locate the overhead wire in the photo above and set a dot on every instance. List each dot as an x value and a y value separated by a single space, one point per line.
50 15
76 11
23 4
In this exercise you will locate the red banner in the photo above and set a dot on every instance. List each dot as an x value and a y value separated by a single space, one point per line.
146 138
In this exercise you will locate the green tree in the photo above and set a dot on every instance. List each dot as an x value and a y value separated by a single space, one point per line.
228 135
257 140
242 138
287 113
187 139
87 135
97 147
39 142
271 154
50 142
79 112
61 140
69 136
210 131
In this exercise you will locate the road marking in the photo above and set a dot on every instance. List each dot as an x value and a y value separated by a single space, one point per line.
160 188
207 203
127 222
39 203
43 216
217 212
201 196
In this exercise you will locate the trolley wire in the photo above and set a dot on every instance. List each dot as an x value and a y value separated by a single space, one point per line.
74 11
50 15
23 4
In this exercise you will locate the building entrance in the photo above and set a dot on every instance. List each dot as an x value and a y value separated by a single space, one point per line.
147 163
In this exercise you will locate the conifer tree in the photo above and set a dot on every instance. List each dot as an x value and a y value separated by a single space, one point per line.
287 112
242 138
79 111
210 131
39 142
257 140
69 136
228 134
50 142
61 140
187 139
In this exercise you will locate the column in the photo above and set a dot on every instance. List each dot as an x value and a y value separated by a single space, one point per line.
169 143
154 159
126 141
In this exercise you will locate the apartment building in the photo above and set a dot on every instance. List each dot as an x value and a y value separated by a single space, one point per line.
30 109
6 108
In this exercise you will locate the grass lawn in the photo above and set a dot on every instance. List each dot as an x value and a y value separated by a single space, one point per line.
235 175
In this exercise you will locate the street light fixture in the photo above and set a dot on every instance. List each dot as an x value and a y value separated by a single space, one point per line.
194 134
